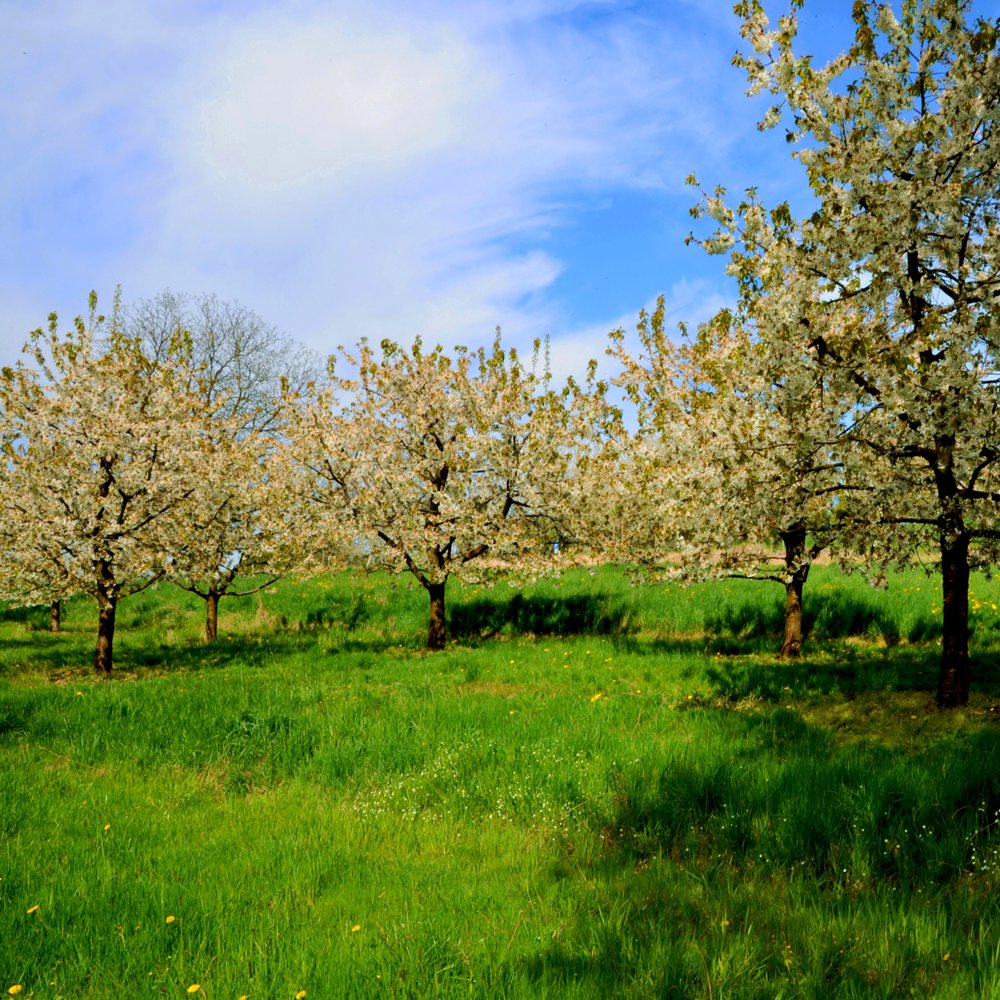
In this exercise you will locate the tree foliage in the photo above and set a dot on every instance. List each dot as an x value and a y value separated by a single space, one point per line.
242 361
241 369
103 452
736 448
891 285
437 464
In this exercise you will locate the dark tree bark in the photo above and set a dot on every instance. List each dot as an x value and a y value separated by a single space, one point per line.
436 627
953 679
212 614
55 616
798 570
104 653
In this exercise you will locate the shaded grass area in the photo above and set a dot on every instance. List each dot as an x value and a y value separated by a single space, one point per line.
633 810
379 611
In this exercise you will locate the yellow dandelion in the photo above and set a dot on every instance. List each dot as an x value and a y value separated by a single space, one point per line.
355 928
32 909
946 956
15 989
107 826
512 711
79 694
723 924
171 919
194 988
300 995
593 698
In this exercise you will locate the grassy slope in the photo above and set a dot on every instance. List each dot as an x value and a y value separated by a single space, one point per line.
655 810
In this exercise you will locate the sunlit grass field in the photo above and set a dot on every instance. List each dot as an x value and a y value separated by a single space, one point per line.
598 790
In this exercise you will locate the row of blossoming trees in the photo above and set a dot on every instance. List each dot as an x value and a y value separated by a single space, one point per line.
148 445
848 401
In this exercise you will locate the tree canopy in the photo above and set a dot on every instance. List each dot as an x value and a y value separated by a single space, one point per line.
435 463
891 286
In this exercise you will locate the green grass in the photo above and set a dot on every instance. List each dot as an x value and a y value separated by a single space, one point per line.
633 800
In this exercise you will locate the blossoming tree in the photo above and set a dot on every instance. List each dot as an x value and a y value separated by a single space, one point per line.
898 137
240 524
437 464
103 452
737 452
241 533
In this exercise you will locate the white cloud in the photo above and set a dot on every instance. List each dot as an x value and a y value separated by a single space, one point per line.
329 100
351 168
377 166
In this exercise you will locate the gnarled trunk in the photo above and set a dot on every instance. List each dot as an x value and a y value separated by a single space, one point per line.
107 603
791 645
55 616
798 570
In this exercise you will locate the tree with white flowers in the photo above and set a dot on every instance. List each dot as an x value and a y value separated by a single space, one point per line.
241 532
891 286
103 450
436 464
242 536
737 457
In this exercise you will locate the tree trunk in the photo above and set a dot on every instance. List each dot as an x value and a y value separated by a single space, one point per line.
55 616
211 615
104 653
436 628
107 602
798 570
953 680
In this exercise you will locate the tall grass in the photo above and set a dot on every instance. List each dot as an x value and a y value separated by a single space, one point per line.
644 805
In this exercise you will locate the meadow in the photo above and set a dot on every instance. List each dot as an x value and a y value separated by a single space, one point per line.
597 790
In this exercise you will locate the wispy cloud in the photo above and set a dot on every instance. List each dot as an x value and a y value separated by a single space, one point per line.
379 169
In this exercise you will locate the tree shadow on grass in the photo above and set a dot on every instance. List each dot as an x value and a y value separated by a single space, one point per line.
69 653
263 649
847 670
541 614
766 836
826 614
614 960
45 652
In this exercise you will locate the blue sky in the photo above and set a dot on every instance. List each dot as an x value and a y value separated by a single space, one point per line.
378 168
